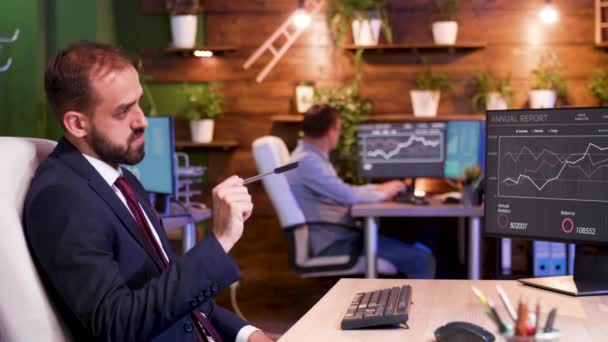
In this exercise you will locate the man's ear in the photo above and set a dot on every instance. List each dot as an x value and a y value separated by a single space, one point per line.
76 123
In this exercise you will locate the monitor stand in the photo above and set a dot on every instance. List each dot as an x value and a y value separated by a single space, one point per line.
590 276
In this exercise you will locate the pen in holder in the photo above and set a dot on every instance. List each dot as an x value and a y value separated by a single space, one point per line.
551 336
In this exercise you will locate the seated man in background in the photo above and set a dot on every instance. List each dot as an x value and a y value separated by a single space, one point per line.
323 196
99 247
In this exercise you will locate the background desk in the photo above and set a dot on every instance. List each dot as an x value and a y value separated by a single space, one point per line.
189 224
435 209
437 302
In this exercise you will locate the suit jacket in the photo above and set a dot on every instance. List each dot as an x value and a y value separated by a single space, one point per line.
105 279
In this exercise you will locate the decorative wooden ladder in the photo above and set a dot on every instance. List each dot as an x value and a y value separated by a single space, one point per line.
601 23
287 30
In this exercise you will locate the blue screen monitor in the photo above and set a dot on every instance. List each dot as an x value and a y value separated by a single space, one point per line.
465 147
156 171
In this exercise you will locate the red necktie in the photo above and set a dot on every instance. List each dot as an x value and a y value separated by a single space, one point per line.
127 191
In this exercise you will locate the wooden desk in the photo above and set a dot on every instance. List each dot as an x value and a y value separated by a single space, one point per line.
370 212
188 221
437 302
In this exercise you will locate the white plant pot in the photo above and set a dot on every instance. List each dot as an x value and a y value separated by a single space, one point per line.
445 32
183 30
542 98
425 102
202 130
495 101
366 31
304 97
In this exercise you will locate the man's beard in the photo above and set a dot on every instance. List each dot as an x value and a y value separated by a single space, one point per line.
116 154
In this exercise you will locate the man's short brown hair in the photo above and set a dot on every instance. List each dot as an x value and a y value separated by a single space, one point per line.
318 119
67 79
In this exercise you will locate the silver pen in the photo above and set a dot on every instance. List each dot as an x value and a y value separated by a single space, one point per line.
280 169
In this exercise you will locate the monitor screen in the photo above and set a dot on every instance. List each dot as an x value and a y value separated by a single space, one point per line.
404 149
547 174
465 147
156 170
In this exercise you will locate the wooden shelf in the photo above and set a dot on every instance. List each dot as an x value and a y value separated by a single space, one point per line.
214 145
297 118
418 47
216 50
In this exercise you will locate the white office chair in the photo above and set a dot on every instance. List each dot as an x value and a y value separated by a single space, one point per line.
270 152
25 311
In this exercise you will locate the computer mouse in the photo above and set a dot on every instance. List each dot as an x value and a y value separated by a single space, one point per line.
463 332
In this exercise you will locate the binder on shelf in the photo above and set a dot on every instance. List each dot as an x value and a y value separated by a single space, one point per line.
558 258
571 252
541 258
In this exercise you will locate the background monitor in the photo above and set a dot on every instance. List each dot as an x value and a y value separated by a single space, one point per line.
156 171
547 179
420 149
465 147
404 149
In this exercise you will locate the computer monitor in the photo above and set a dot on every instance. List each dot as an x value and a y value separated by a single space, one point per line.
547 179
465 147
420 149
156 171
401 149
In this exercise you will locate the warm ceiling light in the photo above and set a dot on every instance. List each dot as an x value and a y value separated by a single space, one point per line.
301 18
203 53
548 14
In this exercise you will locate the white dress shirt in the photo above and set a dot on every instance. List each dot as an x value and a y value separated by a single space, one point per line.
110 175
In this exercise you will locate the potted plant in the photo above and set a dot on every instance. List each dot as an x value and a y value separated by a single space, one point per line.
547 83
470 195
490 92
445 28
354 108
204 103
365 17
304 96
425 98
599 86
184 22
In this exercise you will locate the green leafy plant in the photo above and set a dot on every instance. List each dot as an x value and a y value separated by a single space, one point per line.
548 75
180 7
472 174
354 109
203 101
599 86
147 103
342 13
485 83
447 9
429 80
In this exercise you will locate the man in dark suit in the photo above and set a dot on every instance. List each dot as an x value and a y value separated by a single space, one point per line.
99 246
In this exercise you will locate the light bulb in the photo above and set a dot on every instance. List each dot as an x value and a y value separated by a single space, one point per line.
203 53
548 14
301 19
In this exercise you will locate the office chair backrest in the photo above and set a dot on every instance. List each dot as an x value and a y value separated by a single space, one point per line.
269 153
25 311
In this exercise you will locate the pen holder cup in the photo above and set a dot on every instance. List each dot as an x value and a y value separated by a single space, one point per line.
552 336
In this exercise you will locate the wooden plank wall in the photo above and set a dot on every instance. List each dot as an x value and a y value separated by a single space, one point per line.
514 36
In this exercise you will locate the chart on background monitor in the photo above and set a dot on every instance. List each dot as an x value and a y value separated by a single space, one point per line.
547 173
401 149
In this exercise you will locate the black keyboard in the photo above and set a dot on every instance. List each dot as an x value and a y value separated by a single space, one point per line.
380 307
404 197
